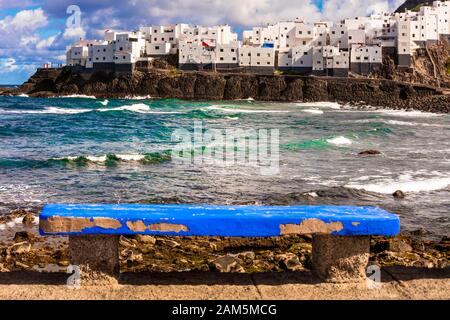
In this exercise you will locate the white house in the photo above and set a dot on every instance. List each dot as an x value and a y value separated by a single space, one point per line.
200 56
298 59
365 58
257 59
330 61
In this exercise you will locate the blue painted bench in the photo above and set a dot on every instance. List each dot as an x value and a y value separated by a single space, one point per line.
340 233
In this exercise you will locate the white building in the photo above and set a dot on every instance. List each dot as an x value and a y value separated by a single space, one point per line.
357 44
257 59
298 59
365 58
330 61
200 56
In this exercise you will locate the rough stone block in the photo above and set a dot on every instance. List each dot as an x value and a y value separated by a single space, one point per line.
340 259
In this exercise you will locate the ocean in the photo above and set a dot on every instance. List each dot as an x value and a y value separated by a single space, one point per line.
86 150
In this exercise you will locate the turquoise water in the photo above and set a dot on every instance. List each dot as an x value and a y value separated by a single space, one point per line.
119 150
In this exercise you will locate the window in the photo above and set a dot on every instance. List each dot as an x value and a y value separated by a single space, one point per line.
121 48
333 32
234 58
309 32
342 32
221 58
319 62
249 54
104 50
232 50
162 39
258 62
305 53
123 57
96 58
350 37
268 55
221 49
301 62
155 39
258 54
268 62
304 43
104 58
300 32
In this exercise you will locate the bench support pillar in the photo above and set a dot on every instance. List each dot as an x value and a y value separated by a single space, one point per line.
340 259
97 256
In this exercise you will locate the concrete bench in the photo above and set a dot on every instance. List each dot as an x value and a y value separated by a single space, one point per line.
341 234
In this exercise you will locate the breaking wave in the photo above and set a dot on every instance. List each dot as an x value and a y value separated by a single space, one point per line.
152 157
238 110
339 141
406 183
313 111
322 104
78 96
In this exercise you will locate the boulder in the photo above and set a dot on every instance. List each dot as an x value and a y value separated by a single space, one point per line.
289 261
28 219
21 236
227 263
399 194
369 152
145 239
397 245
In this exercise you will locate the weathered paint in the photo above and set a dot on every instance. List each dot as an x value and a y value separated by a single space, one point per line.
311 226
77 224
211 220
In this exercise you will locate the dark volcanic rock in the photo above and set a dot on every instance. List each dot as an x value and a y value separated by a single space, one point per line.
370 152
24 236
221 86
399 194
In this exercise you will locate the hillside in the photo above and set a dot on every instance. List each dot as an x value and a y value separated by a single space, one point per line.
413 5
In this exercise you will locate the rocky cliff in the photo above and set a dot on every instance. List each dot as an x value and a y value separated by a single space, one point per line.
216 86
430 66
413 5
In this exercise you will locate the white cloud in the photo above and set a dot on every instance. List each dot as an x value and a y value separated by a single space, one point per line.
29 19
8 64
74 33
45 43
335 10
29 40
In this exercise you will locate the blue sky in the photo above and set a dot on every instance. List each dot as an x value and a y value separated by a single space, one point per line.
34 32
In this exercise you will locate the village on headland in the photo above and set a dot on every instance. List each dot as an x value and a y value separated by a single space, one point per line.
354 45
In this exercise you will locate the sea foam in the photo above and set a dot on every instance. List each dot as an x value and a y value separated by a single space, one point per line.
404 183
340 140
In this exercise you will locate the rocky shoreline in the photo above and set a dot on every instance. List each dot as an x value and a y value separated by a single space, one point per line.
21 248
163 83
